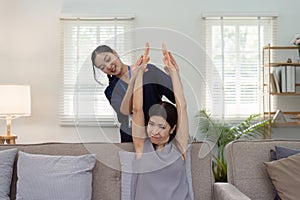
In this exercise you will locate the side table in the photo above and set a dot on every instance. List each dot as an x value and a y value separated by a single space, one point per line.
9 139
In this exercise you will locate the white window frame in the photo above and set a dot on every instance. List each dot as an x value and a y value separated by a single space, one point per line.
226 102
82 99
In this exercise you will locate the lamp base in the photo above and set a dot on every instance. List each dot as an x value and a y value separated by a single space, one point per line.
9 139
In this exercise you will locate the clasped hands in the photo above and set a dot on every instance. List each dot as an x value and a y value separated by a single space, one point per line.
168 59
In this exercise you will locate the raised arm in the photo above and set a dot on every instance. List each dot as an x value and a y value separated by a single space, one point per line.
126 105
182 126
138 119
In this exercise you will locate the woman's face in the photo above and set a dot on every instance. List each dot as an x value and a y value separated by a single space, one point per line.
108 62
158 130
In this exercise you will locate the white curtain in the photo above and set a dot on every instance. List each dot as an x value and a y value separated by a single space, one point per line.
233 63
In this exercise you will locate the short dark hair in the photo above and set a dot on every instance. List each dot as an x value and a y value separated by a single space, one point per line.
167 111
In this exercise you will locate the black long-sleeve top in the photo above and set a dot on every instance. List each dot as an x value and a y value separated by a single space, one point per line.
156 84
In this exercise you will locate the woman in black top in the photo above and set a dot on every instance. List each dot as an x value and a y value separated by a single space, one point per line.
156 84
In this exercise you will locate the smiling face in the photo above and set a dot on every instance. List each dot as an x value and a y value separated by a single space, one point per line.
159 130
109 63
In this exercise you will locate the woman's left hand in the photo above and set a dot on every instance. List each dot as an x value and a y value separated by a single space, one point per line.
169 61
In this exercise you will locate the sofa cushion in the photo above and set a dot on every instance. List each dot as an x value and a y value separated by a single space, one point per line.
126 160
273 154
54 177
129 176
7 158
285 176
284 152
279 152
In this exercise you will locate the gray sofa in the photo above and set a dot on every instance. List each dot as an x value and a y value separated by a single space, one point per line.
107 175
247 175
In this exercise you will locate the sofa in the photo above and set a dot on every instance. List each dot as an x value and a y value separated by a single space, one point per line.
106 175
248 177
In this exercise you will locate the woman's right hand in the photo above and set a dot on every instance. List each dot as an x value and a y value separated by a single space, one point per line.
141 63
143 59
146 57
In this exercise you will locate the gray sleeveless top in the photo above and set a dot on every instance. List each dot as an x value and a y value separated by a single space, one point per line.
161 175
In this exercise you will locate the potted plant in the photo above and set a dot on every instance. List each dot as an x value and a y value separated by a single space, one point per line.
219 133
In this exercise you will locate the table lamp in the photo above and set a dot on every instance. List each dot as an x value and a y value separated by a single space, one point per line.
15 101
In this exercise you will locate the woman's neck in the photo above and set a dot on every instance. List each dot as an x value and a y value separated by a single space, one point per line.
159 148
124 74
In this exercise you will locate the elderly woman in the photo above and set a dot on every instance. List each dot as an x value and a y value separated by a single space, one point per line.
161 146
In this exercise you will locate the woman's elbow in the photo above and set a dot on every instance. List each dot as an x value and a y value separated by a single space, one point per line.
182 105
125 111
137 108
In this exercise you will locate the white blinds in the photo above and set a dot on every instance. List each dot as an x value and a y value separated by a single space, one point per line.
83 101
234 46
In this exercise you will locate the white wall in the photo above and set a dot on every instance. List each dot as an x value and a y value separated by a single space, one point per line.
30 42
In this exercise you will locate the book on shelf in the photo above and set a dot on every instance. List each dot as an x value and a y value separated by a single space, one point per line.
283 78
277 78
275 88
273 84
279 116
290 78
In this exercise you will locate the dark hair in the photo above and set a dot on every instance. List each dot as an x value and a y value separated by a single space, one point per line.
167 111
101 49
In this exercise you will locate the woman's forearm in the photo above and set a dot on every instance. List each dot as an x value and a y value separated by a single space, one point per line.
181 106
126 105
138 121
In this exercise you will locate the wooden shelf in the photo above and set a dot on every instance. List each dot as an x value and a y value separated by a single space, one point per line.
286 123
286 94
280 47
269 66
292 118
286 113
281 64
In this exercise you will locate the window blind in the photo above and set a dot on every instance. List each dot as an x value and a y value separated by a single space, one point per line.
234 47
83 101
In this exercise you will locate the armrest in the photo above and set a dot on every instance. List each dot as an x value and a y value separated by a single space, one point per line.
226 191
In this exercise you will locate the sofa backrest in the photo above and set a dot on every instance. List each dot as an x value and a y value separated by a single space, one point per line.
107 175
245 166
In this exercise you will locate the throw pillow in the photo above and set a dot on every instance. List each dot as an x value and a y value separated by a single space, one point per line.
7 158
127 159
284 152
285 176
273 154
278 152
54 177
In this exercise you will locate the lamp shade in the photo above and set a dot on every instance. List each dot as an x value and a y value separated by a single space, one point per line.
15 100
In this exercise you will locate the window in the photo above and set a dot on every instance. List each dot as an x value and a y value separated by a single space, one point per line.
83 101
233 46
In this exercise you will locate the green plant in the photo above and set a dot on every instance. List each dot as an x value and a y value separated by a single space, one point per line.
219 134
